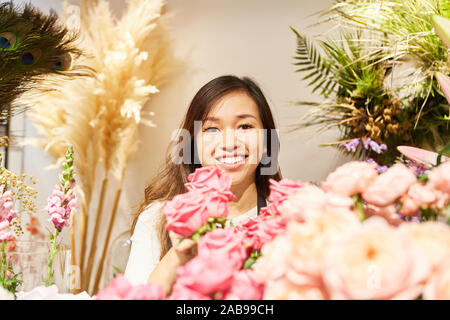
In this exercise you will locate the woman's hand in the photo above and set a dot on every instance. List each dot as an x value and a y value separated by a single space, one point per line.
185 249
181 252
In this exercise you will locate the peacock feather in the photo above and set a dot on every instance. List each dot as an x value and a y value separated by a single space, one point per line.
33 45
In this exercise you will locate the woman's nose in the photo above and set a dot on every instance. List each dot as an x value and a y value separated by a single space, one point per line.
229 142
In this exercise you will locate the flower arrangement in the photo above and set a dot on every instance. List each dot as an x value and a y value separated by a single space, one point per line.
381 80
328 253
361 234
13 189
60 206
131 59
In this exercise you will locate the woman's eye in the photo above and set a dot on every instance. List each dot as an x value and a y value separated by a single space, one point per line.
210 129
246 126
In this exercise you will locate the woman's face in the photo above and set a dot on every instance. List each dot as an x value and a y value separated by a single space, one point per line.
232 137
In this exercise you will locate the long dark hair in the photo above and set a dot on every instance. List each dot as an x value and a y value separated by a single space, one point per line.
171 177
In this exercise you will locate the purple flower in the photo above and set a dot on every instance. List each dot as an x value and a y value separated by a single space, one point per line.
370 144
419 168
379 168
351 145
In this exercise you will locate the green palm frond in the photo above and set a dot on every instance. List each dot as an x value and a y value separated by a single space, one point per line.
318 69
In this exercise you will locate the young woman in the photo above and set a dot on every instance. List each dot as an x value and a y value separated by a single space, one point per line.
229 125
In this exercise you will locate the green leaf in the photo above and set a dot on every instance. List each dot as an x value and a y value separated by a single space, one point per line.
249 263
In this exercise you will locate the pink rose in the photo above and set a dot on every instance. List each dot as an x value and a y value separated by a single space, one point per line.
269 211
350 179
207 275
209 177
180 292
186 213
245 286
260 230
439 177
281 190
121 289
118 288
216 205
223 242
389 185
146 292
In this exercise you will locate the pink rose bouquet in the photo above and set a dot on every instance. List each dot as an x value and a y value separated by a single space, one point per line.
121 289
196 212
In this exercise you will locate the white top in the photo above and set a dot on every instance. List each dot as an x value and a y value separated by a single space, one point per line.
145 245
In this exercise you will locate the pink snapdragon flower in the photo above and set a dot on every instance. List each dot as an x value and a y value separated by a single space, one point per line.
5 233
60 206
6 206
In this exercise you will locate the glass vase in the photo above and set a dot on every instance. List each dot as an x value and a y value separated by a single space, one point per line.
29 261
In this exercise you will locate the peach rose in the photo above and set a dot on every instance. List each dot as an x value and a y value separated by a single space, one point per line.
430 244
438 286
283 289
309 241
418 196
371 262
351 178
308 201
389 185
274 259
439 177
389 213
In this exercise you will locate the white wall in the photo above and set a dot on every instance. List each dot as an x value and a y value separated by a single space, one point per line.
241 37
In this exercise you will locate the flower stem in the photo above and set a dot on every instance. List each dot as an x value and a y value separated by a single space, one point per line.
360 207
4 266
53 252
